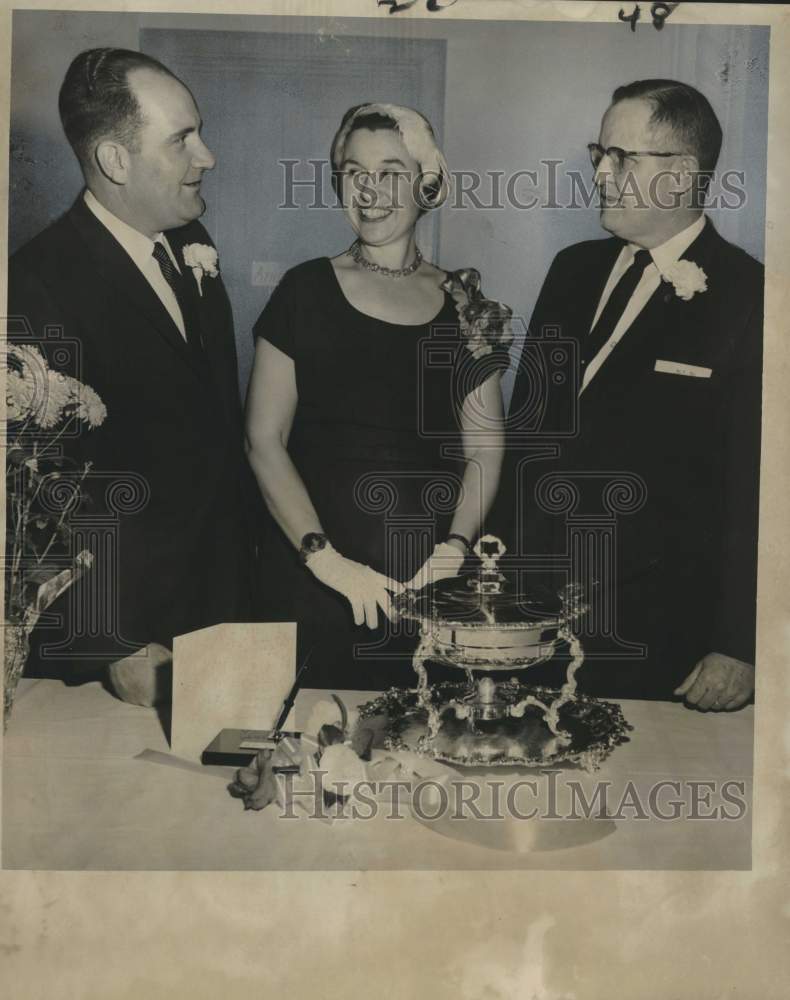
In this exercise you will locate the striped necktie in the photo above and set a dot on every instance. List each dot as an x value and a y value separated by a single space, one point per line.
173 277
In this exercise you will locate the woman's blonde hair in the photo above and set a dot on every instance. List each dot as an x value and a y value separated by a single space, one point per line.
417 134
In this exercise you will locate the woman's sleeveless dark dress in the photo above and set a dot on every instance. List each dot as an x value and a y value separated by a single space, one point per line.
376 440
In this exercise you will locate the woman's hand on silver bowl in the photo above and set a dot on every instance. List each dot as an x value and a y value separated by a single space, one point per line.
364 589
444 562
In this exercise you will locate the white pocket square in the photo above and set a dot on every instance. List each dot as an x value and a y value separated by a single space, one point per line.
678 368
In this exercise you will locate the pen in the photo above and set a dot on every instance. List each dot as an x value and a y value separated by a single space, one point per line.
291 696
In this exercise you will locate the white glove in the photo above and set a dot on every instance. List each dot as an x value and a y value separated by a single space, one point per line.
444 562
364 589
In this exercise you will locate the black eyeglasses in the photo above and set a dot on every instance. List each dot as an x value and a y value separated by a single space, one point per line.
618 156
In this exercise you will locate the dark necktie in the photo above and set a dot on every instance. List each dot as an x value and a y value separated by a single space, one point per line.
615 306
176 281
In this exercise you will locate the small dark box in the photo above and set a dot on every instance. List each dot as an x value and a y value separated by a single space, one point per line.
237 747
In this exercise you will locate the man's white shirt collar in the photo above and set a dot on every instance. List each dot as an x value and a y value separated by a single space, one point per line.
139 246
665 255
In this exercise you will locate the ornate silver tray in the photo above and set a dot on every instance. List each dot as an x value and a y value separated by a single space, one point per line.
594 728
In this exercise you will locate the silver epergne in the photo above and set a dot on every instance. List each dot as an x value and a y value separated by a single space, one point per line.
478 625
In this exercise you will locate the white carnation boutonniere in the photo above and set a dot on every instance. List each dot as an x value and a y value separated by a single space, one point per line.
687 278
202 259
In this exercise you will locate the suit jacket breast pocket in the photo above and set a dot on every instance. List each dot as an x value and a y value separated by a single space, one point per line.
686 403
682 369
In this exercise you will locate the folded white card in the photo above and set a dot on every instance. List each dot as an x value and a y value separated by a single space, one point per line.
678 368
233 676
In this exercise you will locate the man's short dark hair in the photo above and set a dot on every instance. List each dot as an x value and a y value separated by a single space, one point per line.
685 110
96 101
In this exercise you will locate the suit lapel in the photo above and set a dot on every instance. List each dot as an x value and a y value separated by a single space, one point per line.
114 264
592 283
198 298
209 317
636 338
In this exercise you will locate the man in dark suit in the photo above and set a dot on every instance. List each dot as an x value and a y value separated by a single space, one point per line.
665 318
131 277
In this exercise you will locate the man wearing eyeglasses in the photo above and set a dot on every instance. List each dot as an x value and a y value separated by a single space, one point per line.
666 316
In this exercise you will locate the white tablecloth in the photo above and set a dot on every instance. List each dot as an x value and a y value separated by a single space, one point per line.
76 795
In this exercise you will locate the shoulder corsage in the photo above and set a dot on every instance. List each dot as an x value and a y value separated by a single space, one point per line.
485 323
202 259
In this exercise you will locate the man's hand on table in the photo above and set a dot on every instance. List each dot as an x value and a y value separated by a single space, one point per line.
719 683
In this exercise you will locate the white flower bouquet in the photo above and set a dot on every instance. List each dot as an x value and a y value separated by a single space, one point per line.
41 406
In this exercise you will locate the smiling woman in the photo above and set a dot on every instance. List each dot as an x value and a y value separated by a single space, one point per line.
349 410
